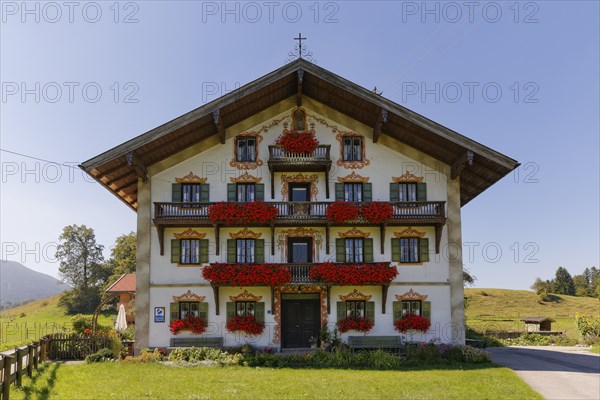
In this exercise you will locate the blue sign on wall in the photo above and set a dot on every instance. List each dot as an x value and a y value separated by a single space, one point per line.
159 314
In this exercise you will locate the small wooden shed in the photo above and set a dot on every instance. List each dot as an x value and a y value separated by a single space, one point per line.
538 324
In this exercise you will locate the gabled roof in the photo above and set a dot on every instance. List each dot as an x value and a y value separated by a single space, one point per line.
536 320
126 283
112 170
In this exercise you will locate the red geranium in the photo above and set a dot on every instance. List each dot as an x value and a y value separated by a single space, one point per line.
193 324
341 211
242 213
412 322
247 274
87 331
247 324
356 324
377 212
303 142
354 274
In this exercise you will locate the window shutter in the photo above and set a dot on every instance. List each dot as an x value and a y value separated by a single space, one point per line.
231 192
339 192
174 312
368 249
203 250
340 250
231 251
424 249
176 192
426 310
367 189
370 311
394 191
175 251
259 313
204 193
230 313
259 251
397 305
421 192
259 192
203 312
341 310
396 249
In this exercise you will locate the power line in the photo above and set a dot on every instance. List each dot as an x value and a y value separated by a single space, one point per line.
39 159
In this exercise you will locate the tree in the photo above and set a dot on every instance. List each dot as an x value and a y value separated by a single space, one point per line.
468 278
582 285
563 282
123 257
541 286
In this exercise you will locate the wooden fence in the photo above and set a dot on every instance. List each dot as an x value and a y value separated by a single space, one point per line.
72 346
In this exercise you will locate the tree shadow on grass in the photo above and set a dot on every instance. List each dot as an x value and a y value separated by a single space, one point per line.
47 377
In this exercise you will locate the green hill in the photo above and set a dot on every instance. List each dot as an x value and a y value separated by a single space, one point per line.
502 309
24 324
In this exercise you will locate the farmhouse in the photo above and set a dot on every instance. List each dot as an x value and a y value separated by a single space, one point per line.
298 200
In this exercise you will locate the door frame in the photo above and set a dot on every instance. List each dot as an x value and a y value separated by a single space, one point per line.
305 185
315 302
300 239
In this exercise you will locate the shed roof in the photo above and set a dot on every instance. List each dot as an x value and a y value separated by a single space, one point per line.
536 320
126 283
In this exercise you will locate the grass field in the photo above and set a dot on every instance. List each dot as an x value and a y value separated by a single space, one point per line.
135 381
24 324
502 309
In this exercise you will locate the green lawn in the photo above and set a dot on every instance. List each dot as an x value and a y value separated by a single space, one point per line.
129 381
595 349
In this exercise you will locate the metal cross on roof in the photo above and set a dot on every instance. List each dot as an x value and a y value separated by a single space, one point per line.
299 39
300 51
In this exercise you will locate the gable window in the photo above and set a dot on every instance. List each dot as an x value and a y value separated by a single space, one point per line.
245 192
190 193
354 250
352 148
407 192
353 192
245 149
245 250
189 309
190 251
412 307
355 309
245 308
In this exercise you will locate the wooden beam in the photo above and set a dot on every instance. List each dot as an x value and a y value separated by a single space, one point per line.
384 293
382 237
272 185
460 164
216 296
220 125
272 239
381 120
217 244
138 166
300 74
327 227
438 237
328 299
161 238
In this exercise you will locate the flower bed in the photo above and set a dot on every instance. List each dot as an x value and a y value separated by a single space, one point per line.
341 212
377 212
412 322
302 142
247 324
247 274
356 324
354 274
242 213
192 324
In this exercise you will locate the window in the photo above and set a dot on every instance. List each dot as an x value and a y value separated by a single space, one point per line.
246 149
355 309
352 148
190 193
190 251
354 250
245 308
411 307
245 192
299 120
409 250
407 192
353 192
245 250
189 309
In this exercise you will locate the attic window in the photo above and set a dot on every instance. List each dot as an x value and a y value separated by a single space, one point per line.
245 149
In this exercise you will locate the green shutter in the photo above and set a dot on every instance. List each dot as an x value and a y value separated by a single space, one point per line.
231 251
259 251
340 250
339 192
174 311
175 251
204 193
421 192
231 192
203 250
259 192
230 310
426 310
394 192
396 249
203 312
397 305
424 249
370 311
367 194
368 249
259 313
341 310
176 192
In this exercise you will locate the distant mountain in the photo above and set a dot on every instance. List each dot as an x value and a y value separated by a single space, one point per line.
19 283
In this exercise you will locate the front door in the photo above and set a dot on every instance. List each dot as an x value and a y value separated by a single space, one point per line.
300 194
299 250
300 322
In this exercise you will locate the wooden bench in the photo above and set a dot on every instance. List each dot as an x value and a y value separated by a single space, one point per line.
375 342
197 342
482 344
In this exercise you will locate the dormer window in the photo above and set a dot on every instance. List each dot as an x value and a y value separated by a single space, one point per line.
352 148
245 149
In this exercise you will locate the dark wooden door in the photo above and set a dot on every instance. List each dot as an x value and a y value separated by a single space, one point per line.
299 191
299 250
300 321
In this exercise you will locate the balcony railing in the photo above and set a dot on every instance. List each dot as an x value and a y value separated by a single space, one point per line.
278 153
300 272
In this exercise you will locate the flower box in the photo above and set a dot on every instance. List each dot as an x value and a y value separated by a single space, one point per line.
356 324
193 324
354 274
412 323
247 274
242 213
299 142
247 325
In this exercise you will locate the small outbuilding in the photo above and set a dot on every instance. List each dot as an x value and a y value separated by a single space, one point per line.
538 324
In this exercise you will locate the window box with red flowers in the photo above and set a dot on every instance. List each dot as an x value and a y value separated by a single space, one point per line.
248 325
242 213
341 212
376 212
360 324
412 323
247 274
298 142
354 274
192 324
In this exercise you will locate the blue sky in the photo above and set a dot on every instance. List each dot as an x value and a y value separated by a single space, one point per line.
520 77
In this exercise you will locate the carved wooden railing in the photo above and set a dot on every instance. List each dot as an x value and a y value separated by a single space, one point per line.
278 153
300 272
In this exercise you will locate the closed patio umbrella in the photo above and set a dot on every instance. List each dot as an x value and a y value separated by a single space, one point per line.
121 323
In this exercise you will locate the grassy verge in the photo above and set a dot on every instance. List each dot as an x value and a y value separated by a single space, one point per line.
595 349
128 381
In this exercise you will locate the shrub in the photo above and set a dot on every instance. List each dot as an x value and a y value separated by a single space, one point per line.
102 355
588 327
199 354
146 356
527 339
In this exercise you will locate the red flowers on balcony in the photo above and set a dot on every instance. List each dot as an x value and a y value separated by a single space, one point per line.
242 213
247 274
356 324
354 274
412 323
192 324
247 324
303 142
341 211
377 212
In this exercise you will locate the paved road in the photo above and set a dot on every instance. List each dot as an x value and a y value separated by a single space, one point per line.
554 372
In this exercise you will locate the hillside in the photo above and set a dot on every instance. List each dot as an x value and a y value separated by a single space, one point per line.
19 283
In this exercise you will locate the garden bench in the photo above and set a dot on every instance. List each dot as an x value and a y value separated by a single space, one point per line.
197 342
375 342
482 344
